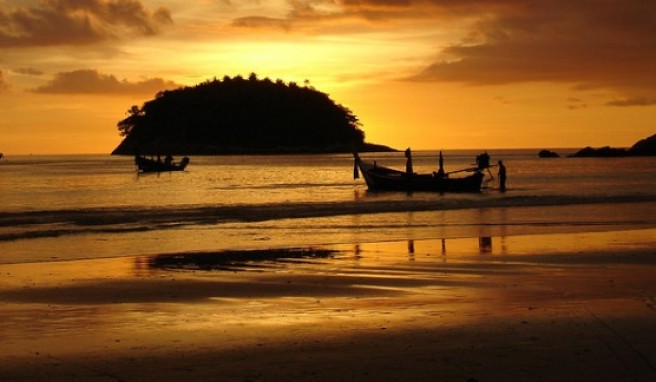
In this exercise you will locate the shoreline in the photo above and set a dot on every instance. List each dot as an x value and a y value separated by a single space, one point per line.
168 232
530 307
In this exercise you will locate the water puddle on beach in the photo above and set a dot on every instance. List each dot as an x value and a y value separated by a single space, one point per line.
324 257
486 248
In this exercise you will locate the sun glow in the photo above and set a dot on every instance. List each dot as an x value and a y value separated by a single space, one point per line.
415 73
327 62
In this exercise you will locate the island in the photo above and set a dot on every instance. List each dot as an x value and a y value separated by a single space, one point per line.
242 116
548 154
644 147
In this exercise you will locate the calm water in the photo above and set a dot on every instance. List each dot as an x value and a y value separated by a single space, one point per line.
66 207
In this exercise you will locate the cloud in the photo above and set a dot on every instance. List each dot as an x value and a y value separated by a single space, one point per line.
605 44
609 45
29 71
638 101
76 22
382 12
308 15
261 22
93 82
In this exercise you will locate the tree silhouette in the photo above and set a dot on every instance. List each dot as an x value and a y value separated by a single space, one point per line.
237 115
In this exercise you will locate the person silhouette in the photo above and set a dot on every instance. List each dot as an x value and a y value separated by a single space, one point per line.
502 176
408 163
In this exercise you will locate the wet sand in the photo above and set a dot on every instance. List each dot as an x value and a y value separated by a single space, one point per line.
541 308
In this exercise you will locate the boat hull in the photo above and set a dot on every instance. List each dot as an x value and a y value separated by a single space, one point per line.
149 165
386 179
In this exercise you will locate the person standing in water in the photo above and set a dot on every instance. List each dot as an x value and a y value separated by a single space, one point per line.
502 177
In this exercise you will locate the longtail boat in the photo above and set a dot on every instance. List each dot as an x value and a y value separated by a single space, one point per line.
380 178
152 165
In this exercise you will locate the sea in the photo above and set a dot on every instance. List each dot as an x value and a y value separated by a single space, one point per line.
68 207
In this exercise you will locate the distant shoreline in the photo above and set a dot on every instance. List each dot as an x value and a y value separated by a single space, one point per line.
642 148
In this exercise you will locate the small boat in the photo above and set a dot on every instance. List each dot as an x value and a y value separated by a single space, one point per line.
380 178
152 165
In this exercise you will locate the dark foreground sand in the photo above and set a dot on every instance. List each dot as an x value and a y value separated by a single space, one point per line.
574 307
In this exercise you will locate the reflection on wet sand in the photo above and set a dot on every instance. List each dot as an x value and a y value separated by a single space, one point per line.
539 308
260 260
233 260
485 245
420 251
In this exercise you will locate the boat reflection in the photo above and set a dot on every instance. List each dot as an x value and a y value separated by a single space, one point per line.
355 254
485 245
411 246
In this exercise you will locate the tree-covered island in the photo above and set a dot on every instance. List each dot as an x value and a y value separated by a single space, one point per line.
241 116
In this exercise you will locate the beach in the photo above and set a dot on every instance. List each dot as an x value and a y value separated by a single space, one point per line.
551 307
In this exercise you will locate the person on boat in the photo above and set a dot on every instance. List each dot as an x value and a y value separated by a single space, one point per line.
169 159
502 176
440 172
483 161
408 163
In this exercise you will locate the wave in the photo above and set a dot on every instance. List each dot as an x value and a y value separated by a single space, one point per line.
57 223
278 186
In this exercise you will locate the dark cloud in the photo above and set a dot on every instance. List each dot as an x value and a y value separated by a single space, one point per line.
93 82
384 11
638 101
608 44
78 22
29 71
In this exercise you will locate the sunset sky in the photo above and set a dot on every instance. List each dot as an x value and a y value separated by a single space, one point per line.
430 74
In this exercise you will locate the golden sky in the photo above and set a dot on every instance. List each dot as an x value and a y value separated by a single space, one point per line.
429 74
